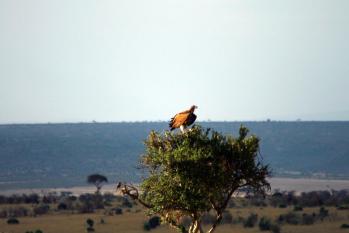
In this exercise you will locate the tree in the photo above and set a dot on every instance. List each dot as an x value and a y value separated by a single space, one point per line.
97 180
195 172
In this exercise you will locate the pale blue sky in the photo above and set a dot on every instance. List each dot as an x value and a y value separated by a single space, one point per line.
135 60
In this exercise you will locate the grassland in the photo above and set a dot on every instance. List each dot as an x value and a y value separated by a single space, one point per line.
132 221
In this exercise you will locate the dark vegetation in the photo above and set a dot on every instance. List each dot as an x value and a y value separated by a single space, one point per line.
152 223
97 180
12 220
17 206
31 155
36 231
197 172
90 223
63 202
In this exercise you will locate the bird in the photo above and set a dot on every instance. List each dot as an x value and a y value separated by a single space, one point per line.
183 119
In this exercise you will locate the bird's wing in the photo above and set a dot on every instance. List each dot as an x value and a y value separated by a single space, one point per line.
179 119
190 119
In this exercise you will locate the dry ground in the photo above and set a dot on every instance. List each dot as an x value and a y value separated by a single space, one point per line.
131 222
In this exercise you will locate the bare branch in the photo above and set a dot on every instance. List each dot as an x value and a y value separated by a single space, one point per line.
132 191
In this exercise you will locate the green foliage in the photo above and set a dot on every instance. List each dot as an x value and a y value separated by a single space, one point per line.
12 221
265 224
90 222
154 222
98 180
191 173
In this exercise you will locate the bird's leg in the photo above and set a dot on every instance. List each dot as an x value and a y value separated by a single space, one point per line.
182 128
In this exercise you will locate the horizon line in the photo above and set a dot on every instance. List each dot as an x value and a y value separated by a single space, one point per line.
160 121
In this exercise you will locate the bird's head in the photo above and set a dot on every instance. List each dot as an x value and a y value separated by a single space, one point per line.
193 108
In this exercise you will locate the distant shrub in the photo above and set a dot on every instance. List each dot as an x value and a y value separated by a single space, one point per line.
343 207
323 213
41 209
91 202
290 218
12 221
126 203
345 226
17 211
297 208
62 206
251 220
154 221
282 206
265 224
118 211
109 197
308 219
37 231
86 207
90 222
258 201
107 203
146 226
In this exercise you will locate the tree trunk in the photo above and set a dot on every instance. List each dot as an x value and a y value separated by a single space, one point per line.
215 224
195 227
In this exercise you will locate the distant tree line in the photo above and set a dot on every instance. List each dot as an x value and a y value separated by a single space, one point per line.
65 200
339 199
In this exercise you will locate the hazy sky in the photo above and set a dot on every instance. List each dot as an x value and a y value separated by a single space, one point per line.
134 60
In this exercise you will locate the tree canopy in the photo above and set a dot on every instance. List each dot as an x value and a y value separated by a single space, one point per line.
98 180
195 172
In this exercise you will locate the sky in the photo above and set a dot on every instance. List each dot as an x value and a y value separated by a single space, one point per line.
145 60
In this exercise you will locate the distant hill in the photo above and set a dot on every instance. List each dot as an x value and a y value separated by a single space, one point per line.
62 155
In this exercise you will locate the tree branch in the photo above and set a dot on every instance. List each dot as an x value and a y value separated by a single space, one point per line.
132 192
219 209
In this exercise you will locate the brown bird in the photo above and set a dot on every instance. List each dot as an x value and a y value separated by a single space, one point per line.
183 119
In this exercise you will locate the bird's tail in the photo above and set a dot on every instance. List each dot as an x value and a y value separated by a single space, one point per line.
171 124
